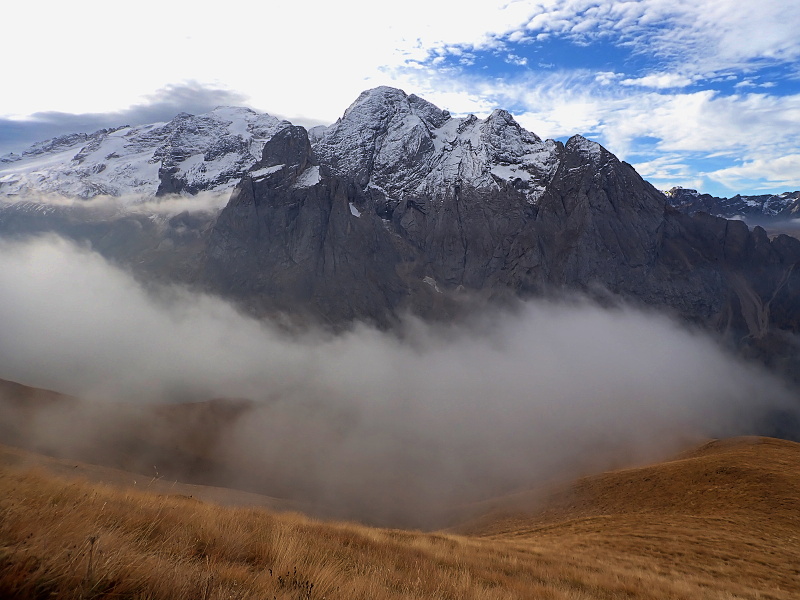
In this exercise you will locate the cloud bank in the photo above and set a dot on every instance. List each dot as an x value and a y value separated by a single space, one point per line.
137 204
385 427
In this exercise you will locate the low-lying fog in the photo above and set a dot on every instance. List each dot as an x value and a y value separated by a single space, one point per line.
385 427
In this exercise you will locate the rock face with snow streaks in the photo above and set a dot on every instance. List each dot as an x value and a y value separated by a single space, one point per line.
402 148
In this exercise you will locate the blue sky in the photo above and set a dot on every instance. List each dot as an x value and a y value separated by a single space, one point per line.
698 94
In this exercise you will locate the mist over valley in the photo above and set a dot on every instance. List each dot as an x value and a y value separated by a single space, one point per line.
394 427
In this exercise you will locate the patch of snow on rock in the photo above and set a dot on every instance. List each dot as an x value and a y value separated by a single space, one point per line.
431 282
308 178
261 173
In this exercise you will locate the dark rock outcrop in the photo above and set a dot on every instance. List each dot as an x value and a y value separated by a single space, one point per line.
290 240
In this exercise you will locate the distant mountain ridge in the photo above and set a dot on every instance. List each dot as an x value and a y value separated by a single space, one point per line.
761 207
188 154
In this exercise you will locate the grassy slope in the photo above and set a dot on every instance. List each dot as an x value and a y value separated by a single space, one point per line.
722 522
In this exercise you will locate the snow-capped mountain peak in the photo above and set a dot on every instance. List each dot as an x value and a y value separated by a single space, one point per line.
404 146
187 154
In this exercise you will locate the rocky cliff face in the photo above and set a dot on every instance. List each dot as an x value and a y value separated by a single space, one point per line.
399 206
291 240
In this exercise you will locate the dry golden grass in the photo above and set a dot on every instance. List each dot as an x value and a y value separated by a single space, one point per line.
722 523
151 482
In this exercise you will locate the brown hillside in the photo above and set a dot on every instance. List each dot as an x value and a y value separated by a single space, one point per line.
18 459
738 476
18 392
721 522
19 405
729 510
176 441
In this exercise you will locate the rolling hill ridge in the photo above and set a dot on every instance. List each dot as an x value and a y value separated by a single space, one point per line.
718 522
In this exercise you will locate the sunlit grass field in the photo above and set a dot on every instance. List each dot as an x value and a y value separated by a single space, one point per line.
721 522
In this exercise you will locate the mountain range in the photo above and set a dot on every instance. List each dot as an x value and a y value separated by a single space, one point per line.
400 207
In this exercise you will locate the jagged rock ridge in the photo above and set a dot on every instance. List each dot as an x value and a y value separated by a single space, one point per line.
766 206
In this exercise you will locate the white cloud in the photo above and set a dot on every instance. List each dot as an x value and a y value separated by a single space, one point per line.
563 103
671 168
773 169
750 83
702 37
607 77
116 206
278 54
281 59
659 82
563 119
708 122
757 129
